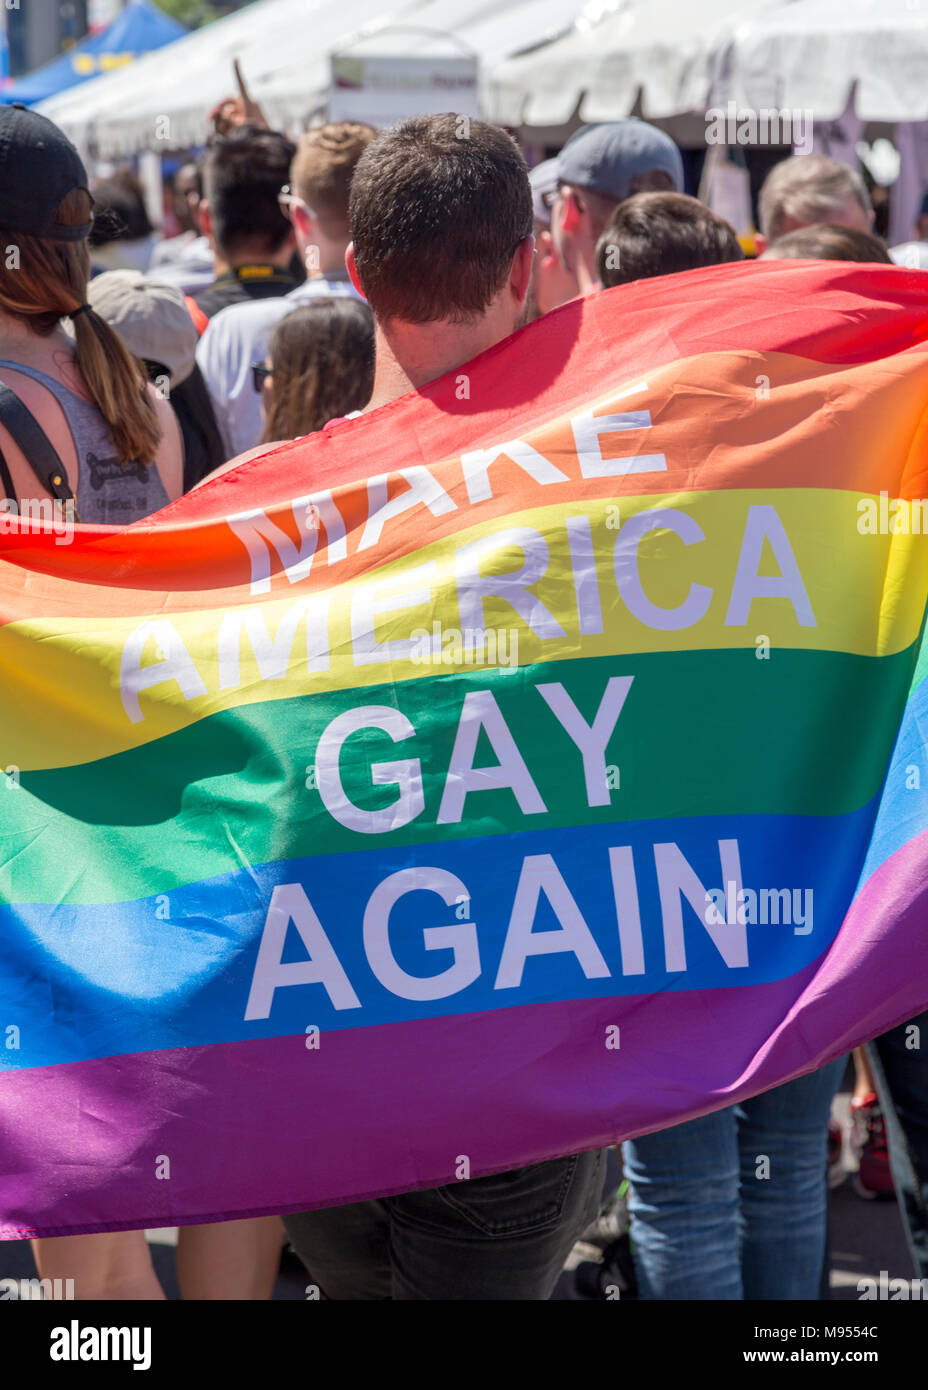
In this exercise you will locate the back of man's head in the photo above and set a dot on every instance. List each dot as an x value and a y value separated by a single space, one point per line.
323 168
807 189
242 176
822 242
660 233
438 207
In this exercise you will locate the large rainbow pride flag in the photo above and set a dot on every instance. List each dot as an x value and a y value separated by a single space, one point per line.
536 761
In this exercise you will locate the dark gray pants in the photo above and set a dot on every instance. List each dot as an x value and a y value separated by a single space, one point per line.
501 1237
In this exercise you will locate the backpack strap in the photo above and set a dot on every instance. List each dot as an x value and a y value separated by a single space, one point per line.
38 450
7 490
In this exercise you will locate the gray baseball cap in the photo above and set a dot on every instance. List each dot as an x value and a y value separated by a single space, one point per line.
606 158
543 179
152 319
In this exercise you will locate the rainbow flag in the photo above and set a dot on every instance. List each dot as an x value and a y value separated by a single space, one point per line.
534 762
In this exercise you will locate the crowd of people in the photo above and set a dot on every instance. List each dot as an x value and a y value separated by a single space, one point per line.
309 282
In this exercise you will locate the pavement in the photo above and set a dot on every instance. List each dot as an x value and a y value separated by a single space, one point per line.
866 1238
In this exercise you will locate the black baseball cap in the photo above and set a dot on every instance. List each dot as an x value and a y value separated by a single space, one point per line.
39 167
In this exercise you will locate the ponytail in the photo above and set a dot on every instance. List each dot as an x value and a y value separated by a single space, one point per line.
48 282
117 386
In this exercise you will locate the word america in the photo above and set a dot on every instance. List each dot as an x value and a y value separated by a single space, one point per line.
422 586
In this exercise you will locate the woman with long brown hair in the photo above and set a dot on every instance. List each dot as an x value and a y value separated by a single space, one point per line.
102 438
116 438
320 364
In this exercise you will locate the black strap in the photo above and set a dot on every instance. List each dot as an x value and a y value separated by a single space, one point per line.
6 480
38 450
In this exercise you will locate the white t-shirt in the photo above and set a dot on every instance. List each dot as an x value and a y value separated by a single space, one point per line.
236 338
913 254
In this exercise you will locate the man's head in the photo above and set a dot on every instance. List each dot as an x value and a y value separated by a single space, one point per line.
660 233
320 180
599 167
806 189
242 177
552 283
186 194
441 225
119 208
822 242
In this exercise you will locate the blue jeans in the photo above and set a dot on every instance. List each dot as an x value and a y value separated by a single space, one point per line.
733 1205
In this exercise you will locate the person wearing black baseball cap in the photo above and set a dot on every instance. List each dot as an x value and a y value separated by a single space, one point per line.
100 437
82 430
598 168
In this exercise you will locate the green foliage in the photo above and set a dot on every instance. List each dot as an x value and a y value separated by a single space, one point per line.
195 13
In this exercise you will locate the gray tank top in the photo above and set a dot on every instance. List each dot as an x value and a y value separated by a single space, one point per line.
109 492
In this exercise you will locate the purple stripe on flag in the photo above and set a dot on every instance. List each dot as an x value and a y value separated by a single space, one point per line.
248 1128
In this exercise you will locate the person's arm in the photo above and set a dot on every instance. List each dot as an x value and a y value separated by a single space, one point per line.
237 111
169 460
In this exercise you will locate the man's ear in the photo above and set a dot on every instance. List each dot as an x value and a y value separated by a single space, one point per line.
572 211
520 275
352 268
205 221
760 242
546 250
303 225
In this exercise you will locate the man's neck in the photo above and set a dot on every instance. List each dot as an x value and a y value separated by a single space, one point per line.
331 261
223 264
410 355
587 280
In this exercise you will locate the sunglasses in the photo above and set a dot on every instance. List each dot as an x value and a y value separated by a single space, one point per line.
259 375
551 195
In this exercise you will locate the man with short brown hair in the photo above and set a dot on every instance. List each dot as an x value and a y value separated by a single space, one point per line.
660 233
599 167
441 221
316 204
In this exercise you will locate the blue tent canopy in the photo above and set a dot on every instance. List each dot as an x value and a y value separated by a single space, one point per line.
140 28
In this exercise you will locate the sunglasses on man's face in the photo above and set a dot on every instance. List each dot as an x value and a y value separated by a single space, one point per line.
259 375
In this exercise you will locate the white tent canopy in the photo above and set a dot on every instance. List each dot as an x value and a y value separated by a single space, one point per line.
492 29
821 55
617 50
488 29
162 100
284 47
